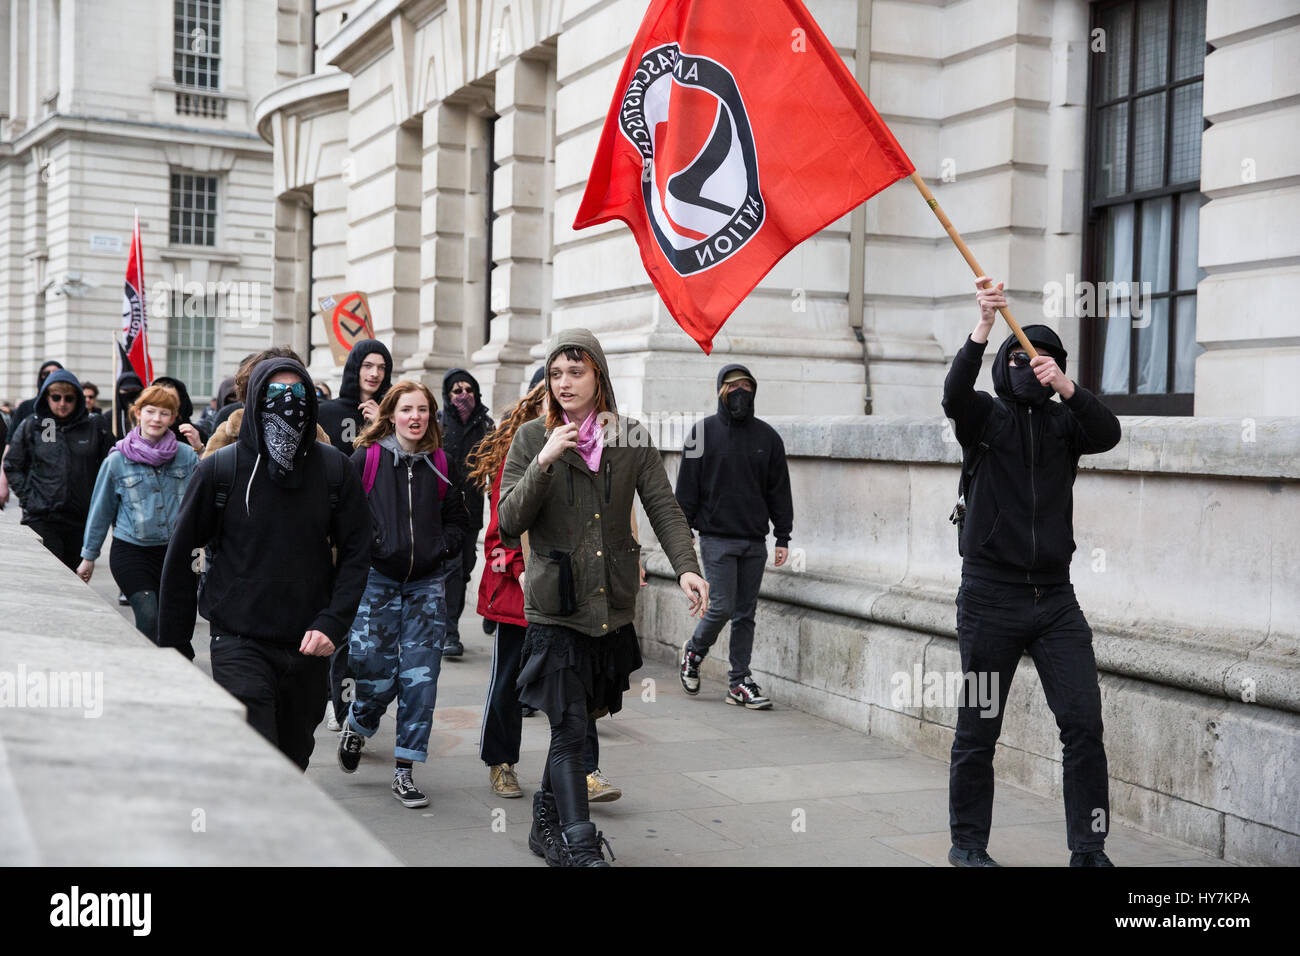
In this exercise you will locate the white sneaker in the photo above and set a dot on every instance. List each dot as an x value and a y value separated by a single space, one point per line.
331 724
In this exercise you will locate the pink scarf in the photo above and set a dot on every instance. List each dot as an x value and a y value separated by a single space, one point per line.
591 440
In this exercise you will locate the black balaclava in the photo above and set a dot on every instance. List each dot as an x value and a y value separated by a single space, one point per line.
283 421
1021 384
738 406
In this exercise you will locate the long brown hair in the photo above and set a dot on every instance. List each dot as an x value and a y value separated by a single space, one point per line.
554 413
384 425
485 460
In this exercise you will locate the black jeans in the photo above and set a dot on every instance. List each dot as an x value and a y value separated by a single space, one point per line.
458 582
62 538
340 670
282 689
996 623
502 721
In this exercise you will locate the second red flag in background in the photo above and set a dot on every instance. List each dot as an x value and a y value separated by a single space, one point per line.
736 132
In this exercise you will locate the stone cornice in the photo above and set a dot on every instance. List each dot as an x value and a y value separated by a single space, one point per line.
135 130
369 33
305 94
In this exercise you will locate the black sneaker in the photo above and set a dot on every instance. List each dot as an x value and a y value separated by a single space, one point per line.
455 649
350 744
690 669
405 790
1090 858
959 857
526 711
747 694
489 626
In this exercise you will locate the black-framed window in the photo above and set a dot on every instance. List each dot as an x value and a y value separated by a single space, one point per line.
193 210
196 49
1143 203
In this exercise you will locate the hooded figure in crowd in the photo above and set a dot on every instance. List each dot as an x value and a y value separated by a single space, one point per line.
27 406
126 390
733 483
464 421
1020 454
53 462
364 385
196 436
277 600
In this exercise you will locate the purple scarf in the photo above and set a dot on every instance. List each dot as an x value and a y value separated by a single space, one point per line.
135 447
591 440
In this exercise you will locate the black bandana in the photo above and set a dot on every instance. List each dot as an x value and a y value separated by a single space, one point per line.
283 420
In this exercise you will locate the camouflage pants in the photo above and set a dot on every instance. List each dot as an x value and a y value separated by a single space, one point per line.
396 652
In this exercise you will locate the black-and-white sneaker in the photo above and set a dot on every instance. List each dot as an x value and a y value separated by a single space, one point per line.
350 744
747 694
690 669
405 790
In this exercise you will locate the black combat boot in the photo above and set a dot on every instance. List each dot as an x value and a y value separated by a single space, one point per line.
582 845
544 838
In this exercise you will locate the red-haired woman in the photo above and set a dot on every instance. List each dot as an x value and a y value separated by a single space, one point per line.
572 491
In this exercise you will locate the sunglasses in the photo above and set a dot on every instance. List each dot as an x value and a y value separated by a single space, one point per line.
62 397
1020 359
276 389
462 390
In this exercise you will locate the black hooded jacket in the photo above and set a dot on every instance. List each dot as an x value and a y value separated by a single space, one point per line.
186 414
52 464
734 480
1019 524
28 405
459 438
272 576
337 412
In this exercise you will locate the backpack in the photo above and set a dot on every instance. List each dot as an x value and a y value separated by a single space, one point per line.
970 461
373 455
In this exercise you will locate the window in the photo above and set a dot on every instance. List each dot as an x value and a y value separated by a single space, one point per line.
193 210
196 57
1144 200
192 343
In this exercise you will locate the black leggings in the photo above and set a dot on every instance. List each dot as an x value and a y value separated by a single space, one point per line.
565 775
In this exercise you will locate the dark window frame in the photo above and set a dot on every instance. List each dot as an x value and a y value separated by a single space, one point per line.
1094 237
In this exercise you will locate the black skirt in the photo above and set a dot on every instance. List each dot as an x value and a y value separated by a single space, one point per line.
136 567
562 669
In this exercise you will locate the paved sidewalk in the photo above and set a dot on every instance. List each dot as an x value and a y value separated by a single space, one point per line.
704 784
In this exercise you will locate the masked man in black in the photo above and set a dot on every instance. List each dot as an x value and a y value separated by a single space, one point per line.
1021 452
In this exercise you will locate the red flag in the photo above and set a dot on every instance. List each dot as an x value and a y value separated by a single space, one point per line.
135 323
735 133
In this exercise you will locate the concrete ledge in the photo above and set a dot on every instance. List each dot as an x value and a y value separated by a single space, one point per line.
151 763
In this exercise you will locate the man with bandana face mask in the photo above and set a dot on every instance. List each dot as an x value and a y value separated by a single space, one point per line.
733 482
277 601
1015 596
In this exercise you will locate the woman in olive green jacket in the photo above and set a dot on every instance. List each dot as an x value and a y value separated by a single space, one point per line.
569 481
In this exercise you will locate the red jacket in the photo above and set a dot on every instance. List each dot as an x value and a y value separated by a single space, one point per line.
500 598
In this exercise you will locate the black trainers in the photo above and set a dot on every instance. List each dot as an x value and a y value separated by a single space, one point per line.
405 790
747 694
1090 858
526 711
455 649
690 669
489 626
544 837
959 857
350 744
582 845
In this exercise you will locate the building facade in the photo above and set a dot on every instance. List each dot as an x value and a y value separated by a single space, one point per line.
109 109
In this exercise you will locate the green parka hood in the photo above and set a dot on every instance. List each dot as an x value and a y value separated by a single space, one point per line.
585 340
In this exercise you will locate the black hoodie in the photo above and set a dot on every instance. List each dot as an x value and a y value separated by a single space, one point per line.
186 414
27 406
733 478
337 412
272 577
459 438
1019 523
53 463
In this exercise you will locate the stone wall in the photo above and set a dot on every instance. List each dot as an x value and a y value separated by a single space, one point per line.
1188 535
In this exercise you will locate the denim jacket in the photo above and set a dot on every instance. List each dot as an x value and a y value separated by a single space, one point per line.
140 501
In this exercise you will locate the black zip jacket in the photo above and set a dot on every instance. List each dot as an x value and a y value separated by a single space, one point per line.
1019 524
337 412
734 479
460 438
411 531
272 576
55 478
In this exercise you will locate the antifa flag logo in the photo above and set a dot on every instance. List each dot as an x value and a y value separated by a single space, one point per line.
699 179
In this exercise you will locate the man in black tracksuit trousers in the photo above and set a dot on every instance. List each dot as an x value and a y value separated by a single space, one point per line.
1015 595
277 603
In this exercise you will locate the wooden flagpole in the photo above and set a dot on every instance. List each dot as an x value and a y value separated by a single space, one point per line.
966 254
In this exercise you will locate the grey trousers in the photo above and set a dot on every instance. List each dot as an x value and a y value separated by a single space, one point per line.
734 569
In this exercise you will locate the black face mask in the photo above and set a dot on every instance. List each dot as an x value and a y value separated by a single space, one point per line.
1026 387
284 420
740 403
